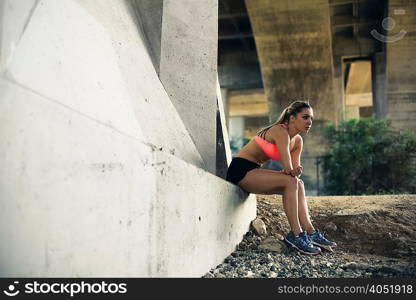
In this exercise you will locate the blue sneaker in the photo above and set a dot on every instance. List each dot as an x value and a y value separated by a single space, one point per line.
302 243
317 238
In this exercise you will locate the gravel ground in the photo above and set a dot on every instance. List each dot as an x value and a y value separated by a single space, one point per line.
385 245
292 264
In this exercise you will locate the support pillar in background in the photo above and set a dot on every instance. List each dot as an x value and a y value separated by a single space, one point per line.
293 40
401 65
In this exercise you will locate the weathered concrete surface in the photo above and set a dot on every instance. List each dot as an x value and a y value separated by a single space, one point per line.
150 14
98 174
188 68
14 20
186 62
101 75
401 65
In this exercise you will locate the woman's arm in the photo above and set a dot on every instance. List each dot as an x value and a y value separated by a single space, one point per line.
295 156
297 151
282 141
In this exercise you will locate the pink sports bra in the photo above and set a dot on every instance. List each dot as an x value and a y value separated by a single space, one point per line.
269 149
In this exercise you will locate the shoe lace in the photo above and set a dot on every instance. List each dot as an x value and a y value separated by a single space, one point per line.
305 241
320 235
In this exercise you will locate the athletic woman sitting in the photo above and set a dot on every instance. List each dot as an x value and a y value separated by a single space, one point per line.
281 141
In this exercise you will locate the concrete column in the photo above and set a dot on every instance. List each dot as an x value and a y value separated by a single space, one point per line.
339 89
186 62
379 84
293 41
401 64
150 14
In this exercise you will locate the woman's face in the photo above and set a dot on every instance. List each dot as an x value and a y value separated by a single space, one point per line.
303 120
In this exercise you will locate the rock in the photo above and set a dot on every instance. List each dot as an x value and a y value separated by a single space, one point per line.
354 237
391 270
279 237
228 259
272 244
253 247
259 226
353 266
330 227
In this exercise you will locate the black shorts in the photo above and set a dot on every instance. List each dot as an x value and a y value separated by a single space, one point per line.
238 169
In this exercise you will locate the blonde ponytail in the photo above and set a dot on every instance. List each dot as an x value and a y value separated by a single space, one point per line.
292 110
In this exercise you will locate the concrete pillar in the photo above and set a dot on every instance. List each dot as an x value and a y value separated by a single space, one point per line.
293 41
401 64
150 15
187 63
339 89
379 84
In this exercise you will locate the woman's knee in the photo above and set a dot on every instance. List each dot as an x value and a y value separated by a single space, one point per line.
301 184
292 182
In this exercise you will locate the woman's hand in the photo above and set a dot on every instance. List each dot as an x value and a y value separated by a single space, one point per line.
296 172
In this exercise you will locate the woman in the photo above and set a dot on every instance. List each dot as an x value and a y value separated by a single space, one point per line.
281 141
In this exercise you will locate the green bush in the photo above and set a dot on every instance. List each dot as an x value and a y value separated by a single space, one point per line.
368 156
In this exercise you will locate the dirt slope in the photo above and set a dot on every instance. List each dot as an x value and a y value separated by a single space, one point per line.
381 225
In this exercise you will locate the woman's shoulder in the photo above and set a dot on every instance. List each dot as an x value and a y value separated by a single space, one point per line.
280 128
279 132
298 141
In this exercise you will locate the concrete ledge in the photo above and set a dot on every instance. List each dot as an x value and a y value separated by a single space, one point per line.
199 218
81 199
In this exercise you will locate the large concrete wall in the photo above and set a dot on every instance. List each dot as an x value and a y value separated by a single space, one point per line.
99 175
401 65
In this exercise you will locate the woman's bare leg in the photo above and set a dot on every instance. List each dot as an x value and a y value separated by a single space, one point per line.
303 211
261 181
